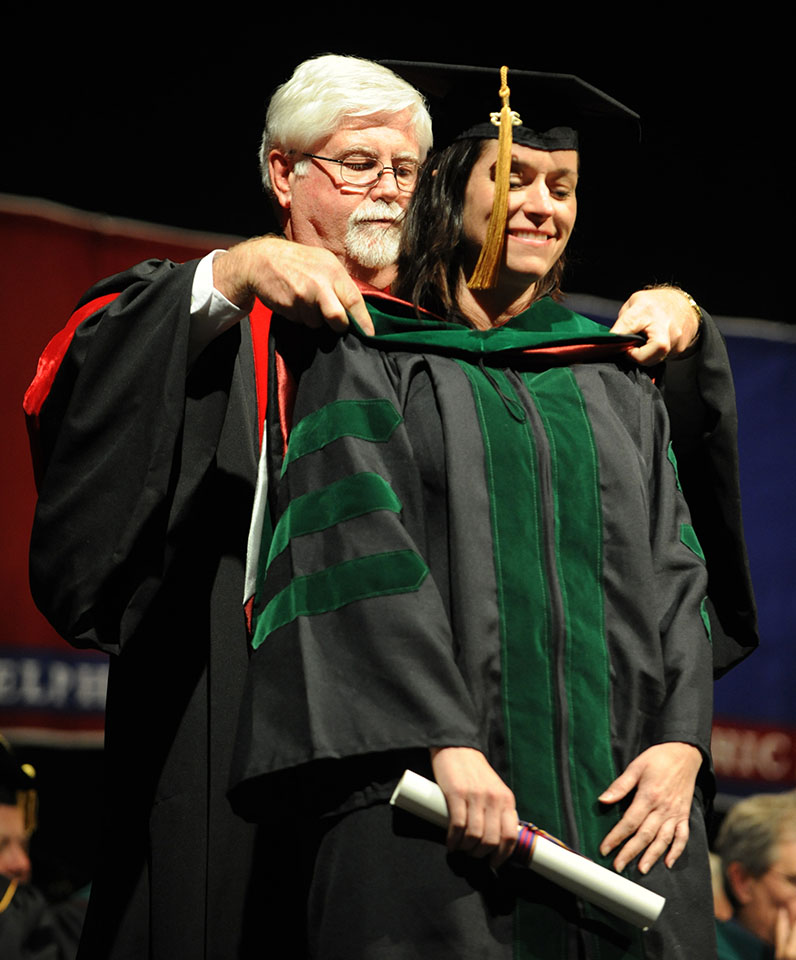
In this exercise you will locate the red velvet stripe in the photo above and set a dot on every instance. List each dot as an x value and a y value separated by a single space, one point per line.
260 319
54 353
286 387
569 352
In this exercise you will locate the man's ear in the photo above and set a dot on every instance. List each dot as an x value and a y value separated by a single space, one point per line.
279 168
740 881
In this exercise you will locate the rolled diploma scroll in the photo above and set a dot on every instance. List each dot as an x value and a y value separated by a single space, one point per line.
570 870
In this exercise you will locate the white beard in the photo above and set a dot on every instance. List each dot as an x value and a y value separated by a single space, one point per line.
372 245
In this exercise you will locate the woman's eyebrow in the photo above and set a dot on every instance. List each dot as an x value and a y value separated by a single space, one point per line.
558 172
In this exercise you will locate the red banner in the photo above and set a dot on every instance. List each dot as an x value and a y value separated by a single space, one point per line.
758 753
50 693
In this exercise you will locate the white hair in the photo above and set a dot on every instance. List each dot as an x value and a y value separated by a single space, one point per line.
322 92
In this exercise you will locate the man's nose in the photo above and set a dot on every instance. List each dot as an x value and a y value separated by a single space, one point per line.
386 187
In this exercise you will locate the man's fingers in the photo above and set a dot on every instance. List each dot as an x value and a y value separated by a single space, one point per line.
666 316
351 300
308 285
330 303
649 353
330 311
784 936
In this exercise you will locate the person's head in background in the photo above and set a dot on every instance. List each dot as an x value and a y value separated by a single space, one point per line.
757 845
17 815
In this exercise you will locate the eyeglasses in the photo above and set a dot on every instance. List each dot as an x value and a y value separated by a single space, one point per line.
367 171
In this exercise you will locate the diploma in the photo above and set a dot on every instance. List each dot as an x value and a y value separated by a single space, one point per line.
547 857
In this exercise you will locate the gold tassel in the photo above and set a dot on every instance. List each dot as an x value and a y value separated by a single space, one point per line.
27 800
485 274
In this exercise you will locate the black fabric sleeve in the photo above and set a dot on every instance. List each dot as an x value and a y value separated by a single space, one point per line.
700 398
362 666
126 436
686 714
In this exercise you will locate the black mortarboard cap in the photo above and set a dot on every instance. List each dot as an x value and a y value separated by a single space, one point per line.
545 111
555 108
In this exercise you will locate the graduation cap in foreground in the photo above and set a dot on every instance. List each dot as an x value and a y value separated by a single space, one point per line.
545 111
17 785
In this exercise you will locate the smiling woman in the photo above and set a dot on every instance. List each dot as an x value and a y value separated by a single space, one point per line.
541 209
540 218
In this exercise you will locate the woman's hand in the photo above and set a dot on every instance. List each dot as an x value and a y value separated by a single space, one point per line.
482 810
657 820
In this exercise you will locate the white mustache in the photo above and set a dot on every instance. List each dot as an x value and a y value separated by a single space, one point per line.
376 210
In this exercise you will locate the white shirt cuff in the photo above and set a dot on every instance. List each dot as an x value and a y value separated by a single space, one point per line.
211 312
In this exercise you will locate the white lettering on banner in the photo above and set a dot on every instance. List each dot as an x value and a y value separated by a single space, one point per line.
747 754
92 685
53 684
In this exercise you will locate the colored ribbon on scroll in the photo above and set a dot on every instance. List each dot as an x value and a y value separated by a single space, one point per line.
546 856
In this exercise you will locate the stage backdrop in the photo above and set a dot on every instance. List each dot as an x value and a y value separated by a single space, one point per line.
51 694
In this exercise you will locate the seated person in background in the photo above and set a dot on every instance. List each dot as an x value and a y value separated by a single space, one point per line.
757 844
30 928
722 908
17 816
27 930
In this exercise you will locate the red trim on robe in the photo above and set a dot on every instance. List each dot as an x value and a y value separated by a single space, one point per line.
286 387
260 323
567 353
54 353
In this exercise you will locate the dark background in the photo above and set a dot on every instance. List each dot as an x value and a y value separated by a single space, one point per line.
162 123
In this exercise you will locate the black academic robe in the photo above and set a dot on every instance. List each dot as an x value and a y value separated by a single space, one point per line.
145 490
700 400
145 473
479 541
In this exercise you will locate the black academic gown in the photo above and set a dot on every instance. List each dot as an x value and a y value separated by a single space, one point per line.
479 542
146 483
700 400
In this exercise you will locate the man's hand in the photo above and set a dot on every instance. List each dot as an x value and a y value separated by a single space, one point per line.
305 284
667 318
483 814
785 934
657 820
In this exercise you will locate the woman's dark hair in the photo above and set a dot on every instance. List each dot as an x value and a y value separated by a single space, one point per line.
432 249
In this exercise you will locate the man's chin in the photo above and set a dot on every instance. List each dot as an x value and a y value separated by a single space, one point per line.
373 245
